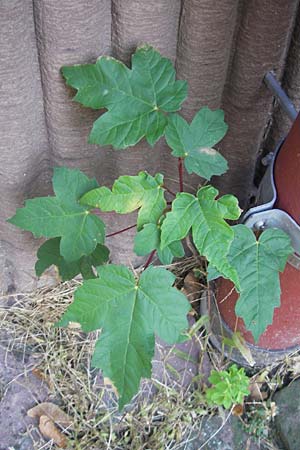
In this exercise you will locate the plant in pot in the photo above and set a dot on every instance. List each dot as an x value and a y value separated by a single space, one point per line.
132 307
276 205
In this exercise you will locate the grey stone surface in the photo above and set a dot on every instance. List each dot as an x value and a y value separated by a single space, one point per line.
177 365
215 436
20 390
287 420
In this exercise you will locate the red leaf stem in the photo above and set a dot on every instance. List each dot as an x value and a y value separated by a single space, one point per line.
120 231
149 260
180 174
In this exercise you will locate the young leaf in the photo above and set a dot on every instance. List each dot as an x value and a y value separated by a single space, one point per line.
178 222
208 127
136 99
49 254
174 250
212 236
129 193
150 305
63 216
148 239
194 142
229 387
258 263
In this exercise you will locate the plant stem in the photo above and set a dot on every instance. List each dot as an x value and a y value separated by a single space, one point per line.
120 231
191 246
180 173
148 262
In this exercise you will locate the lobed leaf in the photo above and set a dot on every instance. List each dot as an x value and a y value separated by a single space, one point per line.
206 216
145 307
49 254
130 193
258 263
63 216
149 238
194 142
226 270
136 99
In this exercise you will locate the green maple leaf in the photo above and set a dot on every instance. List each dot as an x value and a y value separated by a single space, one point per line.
136 99
149 238
206 216
49 254
130 193
258 263
225 270
194 142
63 216
129 312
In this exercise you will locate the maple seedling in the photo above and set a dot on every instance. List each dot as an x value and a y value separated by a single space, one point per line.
142 102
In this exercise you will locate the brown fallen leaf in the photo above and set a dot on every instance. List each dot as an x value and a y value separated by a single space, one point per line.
256 393
192 289
50 431
52 411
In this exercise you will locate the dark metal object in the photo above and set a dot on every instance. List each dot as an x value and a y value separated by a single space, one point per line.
264 215
281 96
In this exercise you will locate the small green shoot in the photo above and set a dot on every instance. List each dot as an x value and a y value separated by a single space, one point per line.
229 387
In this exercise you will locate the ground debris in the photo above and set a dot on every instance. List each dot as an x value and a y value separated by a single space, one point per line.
50 431
52 411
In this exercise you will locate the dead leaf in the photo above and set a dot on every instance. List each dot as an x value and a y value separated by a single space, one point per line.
192 290
192 287
238 410
50 431
255 391
52 411
238 341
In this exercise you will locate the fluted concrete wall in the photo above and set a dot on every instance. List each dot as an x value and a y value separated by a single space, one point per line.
223 48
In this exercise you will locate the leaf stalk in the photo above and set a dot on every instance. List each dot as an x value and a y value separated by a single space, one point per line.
120 231
150 258
180 174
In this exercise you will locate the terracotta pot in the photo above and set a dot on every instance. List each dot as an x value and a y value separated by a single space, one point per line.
283 336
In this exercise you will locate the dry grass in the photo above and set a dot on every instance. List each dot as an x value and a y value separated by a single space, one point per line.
63 361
